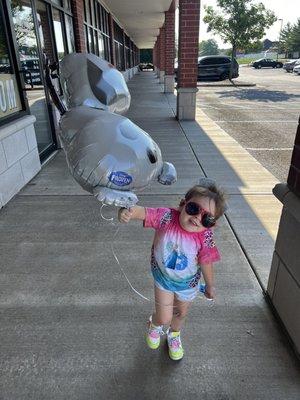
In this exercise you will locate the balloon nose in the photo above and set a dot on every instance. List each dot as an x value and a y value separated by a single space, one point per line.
152 156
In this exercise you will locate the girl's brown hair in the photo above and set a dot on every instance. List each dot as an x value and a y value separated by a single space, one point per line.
208 188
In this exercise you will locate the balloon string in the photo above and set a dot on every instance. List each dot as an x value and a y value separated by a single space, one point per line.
120 266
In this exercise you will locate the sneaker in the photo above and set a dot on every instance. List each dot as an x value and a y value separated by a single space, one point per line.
175 347
153 334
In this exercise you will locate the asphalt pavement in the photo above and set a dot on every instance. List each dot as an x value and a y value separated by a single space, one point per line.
263 119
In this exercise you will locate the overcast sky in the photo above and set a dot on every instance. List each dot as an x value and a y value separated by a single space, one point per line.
288 10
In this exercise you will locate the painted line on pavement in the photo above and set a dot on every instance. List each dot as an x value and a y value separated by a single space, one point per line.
267 149
268 122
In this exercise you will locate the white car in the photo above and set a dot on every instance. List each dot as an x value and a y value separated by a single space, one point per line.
296 69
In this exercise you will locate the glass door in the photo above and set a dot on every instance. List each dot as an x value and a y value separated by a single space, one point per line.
31 50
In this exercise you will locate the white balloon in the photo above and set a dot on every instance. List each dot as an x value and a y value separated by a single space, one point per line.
110 156
91 81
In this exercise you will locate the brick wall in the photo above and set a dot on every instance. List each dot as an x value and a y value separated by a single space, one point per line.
158 51
78 14
294 173
162 48
170 40
189 16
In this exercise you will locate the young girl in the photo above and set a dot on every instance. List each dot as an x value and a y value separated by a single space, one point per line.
183 248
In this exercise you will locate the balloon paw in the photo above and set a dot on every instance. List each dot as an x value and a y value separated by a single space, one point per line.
114 197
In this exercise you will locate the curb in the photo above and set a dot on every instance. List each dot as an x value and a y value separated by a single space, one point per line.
227 85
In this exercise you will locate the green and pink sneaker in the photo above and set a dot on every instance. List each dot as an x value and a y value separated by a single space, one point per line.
153 335
175 347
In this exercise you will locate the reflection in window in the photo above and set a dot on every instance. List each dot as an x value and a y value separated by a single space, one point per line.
68 5
58 34
70 34
44 30
101 46
5 65
58 2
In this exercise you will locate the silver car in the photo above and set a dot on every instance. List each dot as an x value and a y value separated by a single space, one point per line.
289 65
296 69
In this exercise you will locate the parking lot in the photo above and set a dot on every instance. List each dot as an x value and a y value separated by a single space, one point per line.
263 118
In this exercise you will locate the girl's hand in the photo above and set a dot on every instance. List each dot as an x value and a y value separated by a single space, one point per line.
210 292
124 215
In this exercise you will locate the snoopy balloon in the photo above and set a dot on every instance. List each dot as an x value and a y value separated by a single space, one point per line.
107 154
110 156
91 81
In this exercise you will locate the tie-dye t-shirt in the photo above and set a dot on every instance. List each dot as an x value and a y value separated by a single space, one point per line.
176 253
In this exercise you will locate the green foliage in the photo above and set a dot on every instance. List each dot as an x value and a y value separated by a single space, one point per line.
208 47
239 22
254 47
289 40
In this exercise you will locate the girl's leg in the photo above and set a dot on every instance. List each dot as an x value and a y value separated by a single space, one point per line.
163 307
180 311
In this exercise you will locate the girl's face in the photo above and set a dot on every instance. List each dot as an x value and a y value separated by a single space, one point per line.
192 223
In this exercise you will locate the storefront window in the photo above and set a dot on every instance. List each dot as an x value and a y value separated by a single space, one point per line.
9 94
70 34
58 32
96 29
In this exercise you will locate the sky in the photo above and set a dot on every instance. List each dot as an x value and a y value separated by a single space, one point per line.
287 10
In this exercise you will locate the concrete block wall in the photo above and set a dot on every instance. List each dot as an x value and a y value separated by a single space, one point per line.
19 157
284 280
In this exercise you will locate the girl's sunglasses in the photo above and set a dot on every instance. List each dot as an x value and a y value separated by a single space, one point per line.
207 220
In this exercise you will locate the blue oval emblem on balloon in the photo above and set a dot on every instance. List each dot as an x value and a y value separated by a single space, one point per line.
120 178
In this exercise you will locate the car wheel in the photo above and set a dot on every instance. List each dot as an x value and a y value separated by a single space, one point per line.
224 76
259 66
278 65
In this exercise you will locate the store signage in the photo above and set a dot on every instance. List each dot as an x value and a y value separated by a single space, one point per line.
9 95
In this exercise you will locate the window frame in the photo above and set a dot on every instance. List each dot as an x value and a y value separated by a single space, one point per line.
97 25
11 45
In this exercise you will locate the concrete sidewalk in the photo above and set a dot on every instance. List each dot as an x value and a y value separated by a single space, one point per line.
71 327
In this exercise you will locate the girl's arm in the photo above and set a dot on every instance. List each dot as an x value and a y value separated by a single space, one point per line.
208 275
136 212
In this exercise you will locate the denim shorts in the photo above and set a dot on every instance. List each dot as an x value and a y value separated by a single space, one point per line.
181 295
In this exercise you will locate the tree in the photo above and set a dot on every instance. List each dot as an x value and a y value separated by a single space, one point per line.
208 47
254 47
285 40
295 36
289 40
239 22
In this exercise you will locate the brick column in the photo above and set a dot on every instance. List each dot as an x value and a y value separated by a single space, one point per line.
112 40
170 49
284 279
189 16
158 56
78 13
294 173
155 59
162 54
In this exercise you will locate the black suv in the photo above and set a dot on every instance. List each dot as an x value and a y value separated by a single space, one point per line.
266 62
216 67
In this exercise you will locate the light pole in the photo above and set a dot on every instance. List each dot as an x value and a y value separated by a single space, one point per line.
281 22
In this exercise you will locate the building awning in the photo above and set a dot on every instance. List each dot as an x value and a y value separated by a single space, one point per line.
141 19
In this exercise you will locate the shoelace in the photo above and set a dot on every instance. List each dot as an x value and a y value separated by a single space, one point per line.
175 342
157 329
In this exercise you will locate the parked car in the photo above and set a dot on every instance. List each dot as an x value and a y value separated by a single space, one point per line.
296 69
266 62
146 66
214 68
289 65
